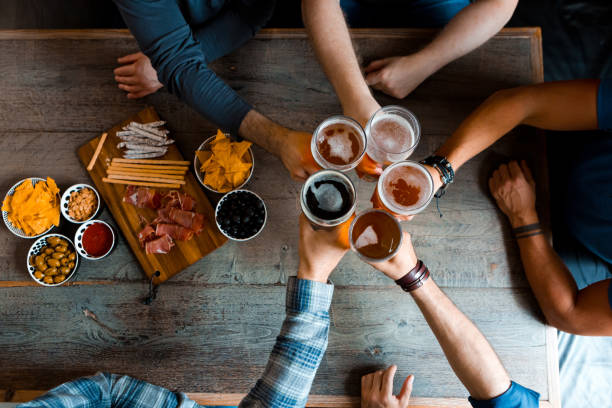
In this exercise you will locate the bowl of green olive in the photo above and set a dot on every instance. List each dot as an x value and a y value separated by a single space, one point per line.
52 260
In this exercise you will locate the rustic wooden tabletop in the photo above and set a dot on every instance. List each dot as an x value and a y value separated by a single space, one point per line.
211 328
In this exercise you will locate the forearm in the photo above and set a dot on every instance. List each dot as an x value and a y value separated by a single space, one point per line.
563 105
469 29
469 353
263 132
166 38
299 348
333 47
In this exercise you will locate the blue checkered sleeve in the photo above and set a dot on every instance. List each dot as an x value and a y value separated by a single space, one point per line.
299 348
105 390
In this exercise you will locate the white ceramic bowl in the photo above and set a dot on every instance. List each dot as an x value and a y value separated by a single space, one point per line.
200 175
9 225
66 199
219 206
35 249
78 240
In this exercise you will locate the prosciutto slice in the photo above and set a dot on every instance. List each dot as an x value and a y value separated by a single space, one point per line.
179 200
176 232
163 217
147 234
188 219
142 197
161 245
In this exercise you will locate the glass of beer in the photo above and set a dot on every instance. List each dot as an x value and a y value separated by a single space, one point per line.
328 199
404 188
375 235
338 143
392 134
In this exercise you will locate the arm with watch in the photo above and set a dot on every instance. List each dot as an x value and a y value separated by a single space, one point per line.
468 352
564 105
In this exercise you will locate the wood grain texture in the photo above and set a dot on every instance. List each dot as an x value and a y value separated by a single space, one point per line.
217 338
127 216
213 325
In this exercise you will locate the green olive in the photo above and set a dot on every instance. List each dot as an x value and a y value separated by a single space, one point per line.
72 256
62 242
53 262
64 261
38 275
58 255
59 278
48 251
64 270
40 262
53 241
61 248
48 279
71 265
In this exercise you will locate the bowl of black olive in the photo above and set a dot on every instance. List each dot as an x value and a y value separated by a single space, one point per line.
241 215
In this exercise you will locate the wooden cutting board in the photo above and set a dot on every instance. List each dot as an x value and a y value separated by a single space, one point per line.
184 253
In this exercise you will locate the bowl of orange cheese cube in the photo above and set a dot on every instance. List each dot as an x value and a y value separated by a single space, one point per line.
223 165
31 208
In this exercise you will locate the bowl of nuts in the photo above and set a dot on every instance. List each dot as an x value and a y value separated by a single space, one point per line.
80 203
52 260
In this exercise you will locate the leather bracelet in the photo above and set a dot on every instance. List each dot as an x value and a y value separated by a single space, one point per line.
526 228
415 278
443 166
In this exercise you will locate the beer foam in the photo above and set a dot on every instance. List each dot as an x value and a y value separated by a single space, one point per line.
412 177
367 237
328 196
392 133
341 146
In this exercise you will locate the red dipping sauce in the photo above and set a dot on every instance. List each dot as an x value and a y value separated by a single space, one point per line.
97 239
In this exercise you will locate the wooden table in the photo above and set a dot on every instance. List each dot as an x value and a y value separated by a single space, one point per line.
212 327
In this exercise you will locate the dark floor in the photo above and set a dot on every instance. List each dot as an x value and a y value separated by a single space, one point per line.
577 43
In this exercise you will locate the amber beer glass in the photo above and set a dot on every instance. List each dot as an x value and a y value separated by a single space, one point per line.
392 135
338 143
404 188
328 199
375 235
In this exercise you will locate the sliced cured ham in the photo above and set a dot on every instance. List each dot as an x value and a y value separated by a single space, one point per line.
161 245
179 200
163 217
142 197
188 219
176 232
146 234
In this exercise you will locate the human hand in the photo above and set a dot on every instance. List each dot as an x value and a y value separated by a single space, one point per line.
377 203
398 76
513 188
402 263
137 76
377 390
435 175
319 250
296 155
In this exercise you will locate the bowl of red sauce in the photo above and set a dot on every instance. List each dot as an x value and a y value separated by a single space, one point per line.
94 239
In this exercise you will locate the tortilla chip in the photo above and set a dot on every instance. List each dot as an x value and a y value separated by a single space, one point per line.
227 164
33 209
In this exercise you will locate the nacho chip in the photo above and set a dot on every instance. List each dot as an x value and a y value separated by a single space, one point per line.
33 209
227 164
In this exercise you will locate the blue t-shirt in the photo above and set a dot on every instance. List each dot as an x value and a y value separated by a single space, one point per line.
516 396
589 208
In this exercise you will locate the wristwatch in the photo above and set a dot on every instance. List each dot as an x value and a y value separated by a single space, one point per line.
447 174
415 278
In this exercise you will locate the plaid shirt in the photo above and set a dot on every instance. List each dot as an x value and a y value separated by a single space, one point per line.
285 383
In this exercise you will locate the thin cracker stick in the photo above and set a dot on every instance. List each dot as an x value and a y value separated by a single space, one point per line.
92 162
151 161
149 166
113 169
161 175
141 183
145 178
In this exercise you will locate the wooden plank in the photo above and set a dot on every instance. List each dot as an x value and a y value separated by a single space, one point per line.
184 253
217 338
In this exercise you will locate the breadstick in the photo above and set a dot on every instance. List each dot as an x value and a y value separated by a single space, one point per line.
149 161
160 175
92 162
141 183
149 166
148 178
113 169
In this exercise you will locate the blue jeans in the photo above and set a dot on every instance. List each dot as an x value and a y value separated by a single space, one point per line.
410 13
